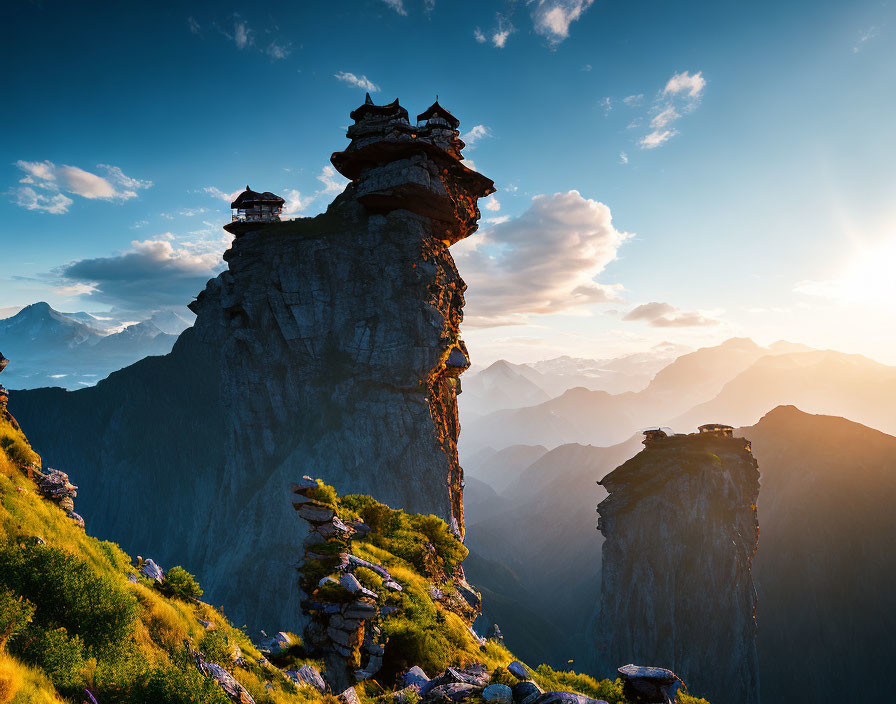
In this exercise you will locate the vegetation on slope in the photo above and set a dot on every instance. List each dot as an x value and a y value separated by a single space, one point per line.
70 617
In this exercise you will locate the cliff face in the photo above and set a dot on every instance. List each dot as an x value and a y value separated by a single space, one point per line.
680 532
329 347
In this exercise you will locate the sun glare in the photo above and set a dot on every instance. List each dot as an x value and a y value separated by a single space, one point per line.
871 277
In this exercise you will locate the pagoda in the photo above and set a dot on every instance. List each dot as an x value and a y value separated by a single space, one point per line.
394 165
252 209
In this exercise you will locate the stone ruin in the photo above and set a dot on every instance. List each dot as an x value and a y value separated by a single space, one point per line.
343 627
55 486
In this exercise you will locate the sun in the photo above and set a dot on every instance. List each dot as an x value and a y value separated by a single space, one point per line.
870 277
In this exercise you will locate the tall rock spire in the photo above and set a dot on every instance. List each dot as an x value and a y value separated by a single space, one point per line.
681 531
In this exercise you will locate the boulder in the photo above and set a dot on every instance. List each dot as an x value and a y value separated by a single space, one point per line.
522 691
453 692
498 693
415 677
649 685
151 570
566 698
276 643
310 676
518 670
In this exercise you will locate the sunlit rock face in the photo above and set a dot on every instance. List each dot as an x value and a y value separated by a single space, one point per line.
681 531
330 347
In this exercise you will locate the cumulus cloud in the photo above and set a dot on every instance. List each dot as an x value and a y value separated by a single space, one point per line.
633 100
358 81
216 192
333 181
684 82
242 35
153 273
492 204
474 135
665 315
681 95
498 36
544 261
44 185
295 204
553 17
623 158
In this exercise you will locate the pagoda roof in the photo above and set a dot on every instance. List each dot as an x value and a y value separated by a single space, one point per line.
368 108
436 110
250 197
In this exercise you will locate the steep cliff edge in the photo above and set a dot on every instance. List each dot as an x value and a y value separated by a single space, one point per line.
329 344
680 532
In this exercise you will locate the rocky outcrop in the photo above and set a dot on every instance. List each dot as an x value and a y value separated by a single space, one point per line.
55 486
328 342
680 532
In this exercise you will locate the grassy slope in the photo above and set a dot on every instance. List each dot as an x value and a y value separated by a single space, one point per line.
156 634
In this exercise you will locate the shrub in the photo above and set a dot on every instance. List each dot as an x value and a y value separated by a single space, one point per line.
181 684
57 653
66 591
15 614
555 680
180 583
216 647
17 450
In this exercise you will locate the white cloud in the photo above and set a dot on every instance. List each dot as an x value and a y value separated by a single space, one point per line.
553 17
333 181
656 138
242 35
359 81
55 180
586 67
194 26
680 96
665 315
685 82
542 262
503 29
278 51
28 198
633 100
479 36
623 158
295 204
397 5
492 203
216 192
477 133
607 104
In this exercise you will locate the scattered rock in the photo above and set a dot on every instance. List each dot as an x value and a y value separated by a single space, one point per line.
275 644
500 693
523 691
494 633
518 670
454 692
566 698
415 677
349 696
309 676
649 685
151 570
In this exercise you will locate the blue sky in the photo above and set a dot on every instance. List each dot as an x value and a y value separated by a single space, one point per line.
743 152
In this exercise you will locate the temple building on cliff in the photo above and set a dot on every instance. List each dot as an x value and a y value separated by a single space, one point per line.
252 208
395 165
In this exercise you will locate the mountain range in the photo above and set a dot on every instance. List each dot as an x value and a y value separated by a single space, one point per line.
734 382
72 350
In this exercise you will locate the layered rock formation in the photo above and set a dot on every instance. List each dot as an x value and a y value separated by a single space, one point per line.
330 342
680 532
